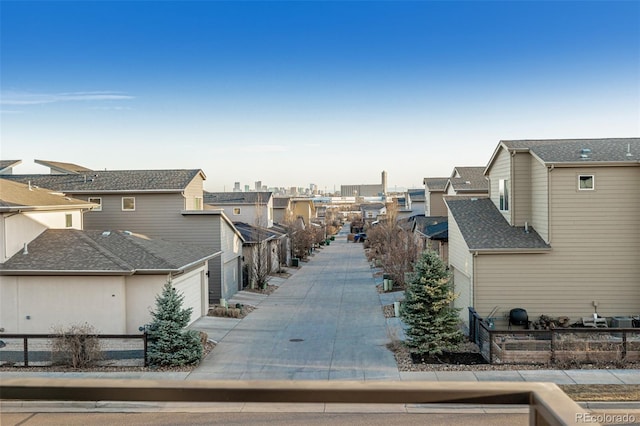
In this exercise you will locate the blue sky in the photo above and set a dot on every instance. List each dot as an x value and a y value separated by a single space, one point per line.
293 93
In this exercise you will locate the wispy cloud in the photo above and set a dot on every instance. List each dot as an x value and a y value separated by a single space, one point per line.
264 148
18 98
9 111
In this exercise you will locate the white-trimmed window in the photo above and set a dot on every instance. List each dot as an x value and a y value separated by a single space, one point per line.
98 201
236 211
128 203
68 220
503 190
197 205
586 182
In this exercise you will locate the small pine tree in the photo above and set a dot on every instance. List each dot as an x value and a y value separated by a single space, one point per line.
433 324
169 343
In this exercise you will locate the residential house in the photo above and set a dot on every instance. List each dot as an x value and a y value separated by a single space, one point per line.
559 234
303 208
282 210
467 181
255 208
60 168
165 204
431 233
410 204
262 251
52 273
371 211
434 190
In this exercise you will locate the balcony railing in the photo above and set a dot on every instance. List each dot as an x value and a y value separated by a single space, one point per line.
548 404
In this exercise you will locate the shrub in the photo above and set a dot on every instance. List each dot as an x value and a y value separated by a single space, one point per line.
76 346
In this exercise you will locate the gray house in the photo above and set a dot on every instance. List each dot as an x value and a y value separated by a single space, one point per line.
255 208
166 204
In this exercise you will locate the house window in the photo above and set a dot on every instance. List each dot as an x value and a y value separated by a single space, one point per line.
586 182
97 201
236 211
198 203
503 189
68 220
128 203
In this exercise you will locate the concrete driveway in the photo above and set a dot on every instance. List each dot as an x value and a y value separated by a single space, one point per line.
323 323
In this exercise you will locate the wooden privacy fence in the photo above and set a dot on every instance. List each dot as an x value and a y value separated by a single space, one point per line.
36 349
559 345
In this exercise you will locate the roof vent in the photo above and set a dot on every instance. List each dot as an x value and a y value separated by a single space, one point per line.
106 233
628 154
25 250
585 153
127 232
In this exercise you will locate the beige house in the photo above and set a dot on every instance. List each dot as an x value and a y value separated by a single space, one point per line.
434 190
467 181
165 204
559 234
303 208
282 210
52 273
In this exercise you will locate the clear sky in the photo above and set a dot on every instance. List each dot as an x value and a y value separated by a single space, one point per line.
293 93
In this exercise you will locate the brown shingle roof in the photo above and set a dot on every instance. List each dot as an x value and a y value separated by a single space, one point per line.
18 196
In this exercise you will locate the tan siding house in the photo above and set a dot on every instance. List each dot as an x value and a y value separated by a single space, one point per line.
580 202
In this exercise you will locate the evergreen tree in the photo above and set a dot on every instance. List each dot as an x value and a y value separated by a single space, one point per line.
169 343
427 310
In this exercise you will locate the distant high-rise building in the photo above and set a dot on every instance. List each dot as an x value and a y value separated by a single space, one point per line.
236 187
258 185
384 182
246 188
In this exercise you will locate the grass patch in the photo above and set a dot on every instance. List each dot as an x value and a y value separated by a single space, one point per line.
610 393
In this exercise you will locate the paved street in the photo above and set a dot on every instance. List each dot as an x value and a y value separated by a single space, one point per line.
323 323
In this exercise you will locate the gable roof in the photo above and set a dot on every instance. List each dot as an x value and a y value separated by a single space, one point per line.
71 251
416 195
15 196
64 168
235 198
436 184
468 179
7 165
114 181
485 229
252 234
281 202
569 152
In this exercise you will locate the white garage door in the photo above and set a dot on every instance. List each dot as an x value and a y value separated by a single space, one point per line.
190 286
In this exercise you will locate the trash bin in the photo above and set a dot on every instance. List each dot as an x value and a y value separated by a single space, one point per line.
295 262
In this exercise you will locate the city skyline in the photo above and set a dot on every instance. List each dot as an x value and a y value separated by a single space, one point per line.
292 93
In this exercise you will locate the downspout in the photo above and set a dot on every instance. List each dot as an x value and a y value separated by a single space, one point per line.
473 277
511 197
550 169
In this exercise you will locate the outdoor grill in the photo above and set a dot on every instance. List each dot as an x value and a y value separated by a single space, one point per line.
518 316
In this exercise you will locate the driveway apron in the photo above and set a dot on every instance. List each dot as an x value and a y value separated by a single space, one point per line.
323 323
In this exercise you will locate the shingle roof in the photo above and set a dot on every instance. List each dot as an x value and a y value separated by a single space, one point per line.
63 167
8 164
436 184
570 150
431 225
18 196
71 251
113 181
235 198
281 202
252 234
469 179
484 228
416 194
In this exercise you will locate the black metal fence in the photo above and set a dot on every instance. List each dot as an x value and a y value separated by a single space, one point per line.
37 349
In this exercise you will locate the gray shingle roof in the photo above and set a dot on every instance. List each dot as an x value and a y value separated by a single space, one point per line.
113 181
281 202
569 150
235 198
436 184
8 164
416 194
252 234
71 251
18 196
484 228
